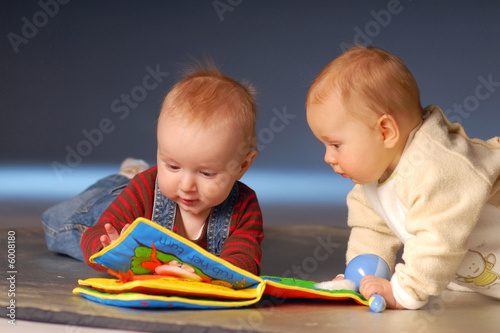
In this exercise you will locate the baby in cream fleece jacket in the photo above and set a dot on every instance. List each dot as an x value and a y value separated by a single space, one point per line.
421 182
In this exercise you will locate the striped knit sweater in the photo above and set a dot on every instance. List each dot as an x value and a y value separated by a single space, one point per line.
241 248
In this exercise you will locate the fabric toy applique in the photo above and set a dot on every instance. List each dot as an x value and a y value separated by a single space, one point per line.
478 270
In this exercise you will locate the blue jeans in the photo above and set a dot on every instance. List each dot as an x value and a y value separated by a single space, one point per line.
65 223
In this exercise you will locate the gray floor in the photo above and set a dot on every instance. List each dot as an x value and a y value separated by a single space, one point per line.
15 214
23 326
45 281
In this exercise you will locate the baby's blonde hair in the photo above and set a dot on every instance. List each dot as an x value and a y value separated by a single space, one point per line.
378 79
209 97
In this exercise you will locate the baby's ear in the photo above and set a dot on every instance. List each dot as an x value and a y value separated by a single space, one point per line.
389 129
247 162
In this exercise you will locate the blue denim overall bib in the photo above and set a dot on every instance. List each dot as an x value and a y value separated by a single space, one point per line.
164 211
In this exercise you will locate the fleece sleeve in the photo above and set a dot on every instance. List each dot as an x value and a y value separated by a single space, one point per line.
369 233
242 247
444 207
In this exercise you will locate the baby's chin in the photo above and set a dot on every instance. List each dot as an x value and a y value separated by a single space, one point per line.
193 209
361 182
357 181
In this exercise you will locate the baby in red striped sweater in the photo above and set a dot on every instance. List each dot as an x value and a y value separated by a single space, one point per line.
206 142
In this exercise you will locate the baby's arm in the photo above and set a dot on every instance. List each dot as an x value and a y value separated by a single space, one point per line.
242 247
369 232
129 205
444 197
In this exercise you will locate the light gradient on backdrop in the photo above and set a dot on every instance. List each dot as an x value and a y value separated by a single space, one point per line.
271 186
82 81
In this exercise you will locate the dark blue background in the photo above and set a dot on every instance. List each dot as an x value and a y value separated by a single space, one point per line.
73 70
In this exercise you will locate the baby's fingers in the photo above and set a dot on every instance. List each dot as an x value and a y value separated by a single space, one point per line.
125 227
112 233
105 241
371 285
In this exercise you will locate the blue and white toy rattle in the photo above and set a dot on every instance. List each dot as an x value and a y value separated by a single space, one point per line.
369 264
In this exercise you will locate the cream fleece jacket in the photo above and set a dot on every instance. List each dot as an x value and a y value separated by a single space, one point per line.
440 190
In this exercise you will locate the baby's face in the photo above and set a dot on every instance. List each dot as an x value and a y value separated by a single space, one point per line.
353 149
197 166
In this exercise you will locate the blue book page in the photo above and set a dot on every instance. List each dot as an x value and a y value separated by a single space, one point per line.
145 245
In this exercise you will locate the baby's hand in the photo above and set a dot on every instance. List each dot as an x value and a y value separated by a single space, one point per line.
112 236
370 285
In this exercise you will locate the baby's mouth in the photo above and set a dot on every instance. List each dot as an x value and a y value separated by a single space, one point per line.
187 201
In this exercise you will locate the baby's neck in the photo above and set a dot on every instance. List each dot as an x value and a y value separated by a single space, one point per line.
193 223
405 134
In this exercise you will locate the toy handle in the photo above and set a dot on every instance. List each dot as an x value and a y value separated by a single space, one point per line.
377 303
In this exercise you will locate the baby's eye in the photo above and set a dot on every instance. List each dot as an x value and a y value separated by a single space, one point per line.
335 145
173 167
208 173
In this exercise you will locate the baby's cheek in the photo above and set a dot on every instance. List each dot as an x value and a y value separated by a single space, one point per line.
213 189
164 188
217 189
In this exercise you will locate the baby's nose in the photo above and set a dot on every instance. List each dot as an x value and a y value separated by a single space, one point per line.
187 183
330 159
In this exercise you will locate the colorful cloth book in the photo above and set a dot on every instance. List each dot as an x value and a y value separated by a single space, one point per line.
156 268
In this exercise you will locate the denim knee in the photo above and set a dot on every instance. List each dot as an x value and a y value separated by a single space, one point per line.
65 223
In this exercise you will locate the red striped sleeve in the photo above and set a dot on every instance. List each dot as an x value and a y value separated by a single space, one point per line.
132 195
242 247
254 232
251 251
240 262
133 202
